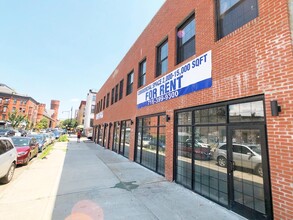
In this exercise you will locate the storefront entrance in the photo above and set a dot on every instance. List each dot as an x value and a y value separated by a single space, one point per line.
221 153
248 171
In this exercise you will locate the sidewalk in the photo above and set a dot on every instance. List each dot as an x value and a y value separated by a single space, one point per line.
87 181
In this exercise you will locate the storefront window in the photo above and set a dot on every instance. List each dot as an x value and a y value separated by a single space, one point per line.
116 136
184 118
217 145
123 137
210 116
151 142
246 112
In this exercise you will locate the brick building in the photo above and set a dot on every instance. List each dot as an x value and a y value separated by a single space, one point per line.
11 101
81 113
204 98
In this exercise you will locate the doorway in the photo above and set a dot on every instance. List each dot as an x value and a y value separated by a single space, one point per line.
248 173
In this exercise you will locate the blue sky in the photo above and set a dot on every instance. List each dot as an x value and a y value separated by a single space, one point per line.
59 49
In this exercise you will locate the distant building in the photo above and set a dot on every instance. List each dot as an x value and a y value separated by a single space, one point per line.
11 101
89 113
81 113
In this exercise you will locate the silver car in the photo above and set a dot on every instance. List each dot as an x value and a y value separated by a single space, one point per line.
8 157
245 156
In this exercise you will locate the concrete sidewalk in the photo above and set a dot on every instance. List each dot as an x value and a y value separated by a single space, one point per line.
85 181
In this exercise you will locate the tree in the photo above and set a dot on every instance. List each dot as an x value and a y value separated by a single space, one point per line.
43 124
16 119
69 123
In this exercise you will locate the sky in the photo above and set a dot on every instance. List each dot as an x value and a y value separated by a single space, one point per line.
59 49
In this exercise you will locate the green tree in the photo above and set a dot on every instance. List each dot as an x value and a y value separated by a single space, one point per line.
69 123
43 124
16 119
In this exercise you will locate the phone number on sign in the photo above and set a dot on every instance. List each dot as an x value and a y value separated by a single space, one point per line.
162 98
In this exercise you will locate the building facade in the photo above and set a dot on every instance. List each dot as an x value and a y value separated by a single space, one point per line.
11 101
81 113
203 97
89 114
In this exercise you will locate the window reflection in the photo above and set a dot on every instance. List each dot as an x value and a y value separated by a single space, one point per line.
246 112
151 143
184 118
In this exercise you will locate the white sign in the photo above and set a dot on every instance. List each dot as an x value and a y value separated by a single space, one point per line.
190 77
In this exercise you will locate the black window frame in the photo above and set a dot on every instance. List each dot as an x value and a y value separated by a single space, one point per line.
130 79
235 22
142 73
191 42
108 99
116 92
121 89
161 60
112 96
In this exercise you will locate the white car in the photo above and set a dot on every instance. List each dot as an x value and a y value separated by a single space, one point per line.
246 156
8 158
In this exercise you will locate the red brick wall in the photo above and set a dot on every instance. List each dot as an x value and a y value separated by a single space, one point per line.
255 59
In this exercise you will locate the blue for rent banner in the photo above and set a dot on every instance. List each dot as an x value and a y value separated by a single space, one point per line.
190 77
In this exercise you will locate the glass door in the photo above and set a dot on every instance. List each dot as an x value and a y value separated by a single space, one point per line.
249 185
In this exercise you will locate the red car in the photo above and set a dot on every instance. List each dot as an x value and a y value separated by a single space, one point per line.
27 148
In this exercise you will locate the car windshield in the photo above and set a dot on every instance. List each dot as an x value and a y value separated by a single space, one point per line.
38 137
19 142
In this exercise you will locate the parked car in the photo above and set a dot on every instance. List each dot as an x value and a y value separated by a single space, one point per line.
153 142
27 148
41 140
23 132
47 138
56 133
201 151
7 132
245 156
17 133
8 158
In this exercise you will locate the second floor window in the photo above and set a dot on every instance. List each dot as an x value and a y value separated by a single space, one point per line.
116 92
162 58
108 97
129 83
121 89
232 14
142 73
104 103
186 40
112 96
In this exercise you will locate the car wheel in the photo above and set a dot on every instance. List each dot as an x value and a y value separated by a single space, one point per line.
8 177
28 160
222 162
258 170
